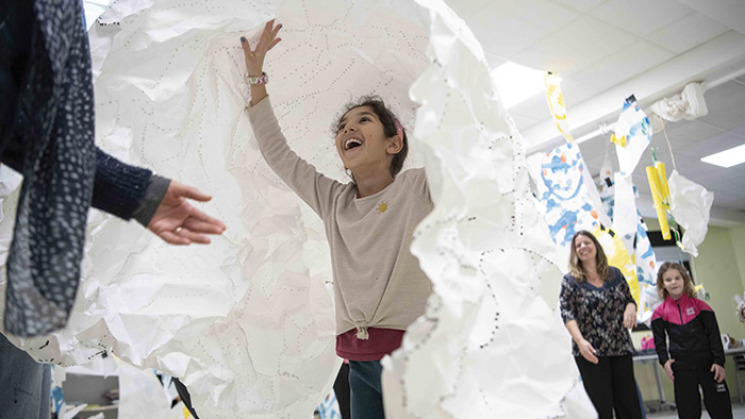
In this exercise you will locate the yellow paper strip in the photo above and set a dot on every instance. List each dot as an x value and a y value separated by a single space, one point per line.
655 185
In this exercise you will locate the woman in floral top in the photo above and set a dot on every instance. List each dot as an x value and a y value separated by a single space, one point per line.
597 309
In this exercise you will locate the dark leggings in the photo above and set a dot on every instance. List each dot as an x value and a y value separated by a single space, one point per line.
365 391
341 389
688 399
611 386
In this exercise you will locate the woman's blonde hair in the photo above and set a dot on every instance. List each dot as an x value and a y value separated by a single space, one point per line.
575 265
687 281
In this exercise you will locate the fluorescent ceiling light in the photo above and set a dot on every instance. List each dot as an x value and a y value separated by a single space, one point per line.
517 83
727 158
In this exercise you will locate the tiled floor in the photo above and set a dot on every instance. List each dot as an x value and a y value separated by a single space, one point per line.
738 411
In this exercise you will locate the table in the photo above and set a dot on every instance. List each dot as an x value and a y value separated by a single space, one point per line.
658 380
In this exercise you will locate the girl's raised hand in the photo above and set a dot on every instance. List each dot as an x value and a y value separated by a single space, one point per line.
255 57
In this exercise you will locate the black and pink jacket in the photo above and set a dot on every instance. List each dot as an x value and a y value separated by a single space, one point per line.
692 330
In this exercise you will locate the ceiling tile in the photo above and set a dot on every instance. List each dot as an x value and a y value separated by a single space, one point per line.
583 6
728 12
575 46
466 9
506 27
535 108
684 134
623 65
494 60
740 129
521 121
641 17
688 32
576 92
726 104
711 145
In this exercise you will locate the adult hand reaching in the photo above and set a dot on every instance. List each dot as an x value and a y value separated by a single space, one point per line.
177 222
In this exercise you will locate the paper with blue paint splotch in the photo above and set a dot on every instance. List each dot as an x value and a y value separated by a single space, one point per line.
567 192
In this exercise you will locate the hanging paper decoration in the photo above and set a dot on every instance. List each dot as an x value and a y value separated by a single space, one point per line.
571 203
689 104
632 135
566 190
556 104
660 196
690 205
642 254
618 256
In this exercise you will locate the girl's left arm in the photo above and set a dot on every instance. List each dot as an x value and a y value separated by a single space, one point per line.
706 314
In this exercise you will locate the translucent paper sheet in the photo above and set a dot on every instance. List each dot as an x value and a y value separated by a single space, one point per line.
488 346
247 322
690 204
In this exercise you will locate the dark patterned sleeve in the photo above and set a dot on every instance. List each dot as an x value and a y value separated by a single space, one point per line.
567 301
625 288
118 188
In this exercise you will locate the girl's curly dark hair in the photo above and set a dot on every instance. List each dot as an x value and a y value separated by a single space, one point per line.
389 126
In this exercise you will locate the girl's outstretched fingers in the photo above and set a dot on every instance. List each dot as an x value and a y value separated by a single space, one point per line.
267 41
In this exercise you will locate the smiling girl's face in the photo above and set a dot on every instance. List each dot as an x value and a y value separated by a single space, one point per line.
674 283
361 141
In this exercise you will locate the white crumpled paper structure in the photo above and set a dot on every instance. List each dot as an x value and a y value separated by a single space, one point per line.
247 322
488 346
690 204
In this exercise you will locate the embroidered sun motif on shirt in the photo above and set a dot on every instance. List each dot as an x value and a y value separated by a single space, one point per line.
382 207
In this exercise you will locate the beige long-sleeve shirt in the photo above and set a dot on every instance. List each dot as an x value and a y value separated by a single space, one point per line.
377 281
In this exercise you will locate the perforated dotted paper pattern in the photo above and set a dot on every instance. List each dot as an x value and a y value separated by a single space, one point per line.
489 346
248 321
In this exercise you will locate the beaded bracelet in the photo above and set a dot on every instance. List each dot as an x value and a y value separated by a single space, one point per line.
262 79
